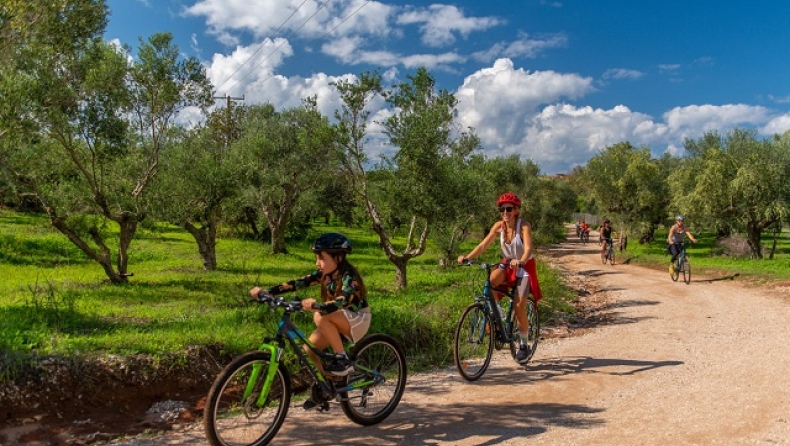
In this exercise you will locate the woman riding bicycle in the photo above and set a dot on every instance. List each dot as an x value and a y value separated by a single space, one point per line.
675 238
515 239
605 232
344 308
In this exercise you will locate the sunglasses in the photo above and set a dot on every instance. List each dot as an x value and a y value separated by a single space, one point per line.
506 209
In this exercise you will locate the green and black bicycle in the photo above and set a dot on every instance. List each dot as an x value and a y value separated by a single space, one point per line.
250 398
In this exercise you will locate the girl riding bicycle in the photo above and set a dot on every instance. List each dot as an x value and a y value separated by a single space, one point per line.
676 236
344 308
515 239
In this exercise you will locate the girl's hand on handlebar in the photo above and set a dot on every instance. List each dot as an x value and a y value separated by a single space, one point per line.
309 305
515 263
462 260
255 291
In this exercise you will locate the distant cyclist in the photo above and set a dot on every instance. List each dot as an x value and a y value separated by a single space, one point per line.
605 232
677 234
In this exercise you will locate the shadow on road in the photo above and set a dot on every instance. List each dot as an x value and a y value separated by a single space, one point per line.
553 368
479 422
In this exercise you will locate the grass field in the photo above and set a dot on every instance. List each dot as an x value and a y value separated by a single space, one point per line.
55 301
711 257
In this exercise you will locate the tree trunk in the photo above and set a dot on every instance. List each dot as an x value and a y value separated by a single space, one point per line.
127 227
278 240
400 273
102 259
753 233
206 238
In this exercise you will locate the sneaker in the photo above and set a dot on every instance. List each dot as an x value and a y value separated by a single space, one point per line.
671 269
309 404
523 353
341 366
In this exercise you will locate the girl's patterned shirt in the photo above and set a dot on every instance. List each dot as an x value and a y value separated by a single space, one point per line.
342 294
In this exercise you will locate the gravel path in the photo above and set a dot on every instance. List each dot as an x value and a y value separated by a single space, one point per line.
676 364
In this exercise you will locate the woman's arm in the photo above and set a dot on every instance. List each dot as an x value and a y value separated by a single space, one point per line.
484 244
526 237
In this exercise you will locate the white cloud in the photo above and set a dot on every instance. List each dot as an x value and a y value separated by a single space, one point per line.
779 99
669 68
622 73
310 18
247 66
777 125
500 101
694 120
439 23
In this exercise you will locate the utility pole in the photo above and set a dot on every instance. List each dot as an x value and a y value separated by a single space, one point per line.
230 127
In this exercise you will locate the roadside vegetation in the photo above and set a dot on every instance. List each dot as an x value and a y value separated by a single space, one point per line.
55 302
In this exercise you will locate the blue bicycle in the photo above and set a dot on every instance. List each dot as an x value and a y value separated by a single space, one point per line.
485 325
250 398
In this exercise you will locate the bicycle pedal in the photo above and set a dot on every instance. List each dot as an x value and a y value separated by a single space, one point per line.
323 407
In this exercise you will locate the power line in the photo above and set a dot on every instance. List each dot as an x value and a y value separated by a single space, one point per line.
253 85
281 44
261 45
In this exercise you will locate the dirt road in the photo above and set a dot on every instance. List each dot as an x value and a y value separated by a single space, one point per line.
700 364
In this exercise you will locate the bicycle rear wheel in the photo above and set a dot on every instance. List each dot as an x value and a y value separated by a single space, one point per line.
686 271
371 404
534 332
232 416
473 343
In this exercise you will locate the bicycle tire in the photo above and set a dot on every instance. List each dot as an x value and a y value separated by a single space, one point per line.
473 343
676 274
610 254
230 419
534 332
372 404
604 258
686 271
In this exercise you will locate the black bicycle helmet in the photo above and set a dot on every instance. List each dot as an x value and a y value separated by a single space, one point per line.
332 242
607 221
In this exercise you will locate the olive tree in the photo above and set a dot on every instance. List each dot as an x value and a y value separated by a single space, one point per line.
416 187
88 127
289 153
738 180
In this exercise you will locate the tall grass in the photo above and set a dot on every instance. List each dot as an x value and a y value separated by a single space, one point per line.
55 301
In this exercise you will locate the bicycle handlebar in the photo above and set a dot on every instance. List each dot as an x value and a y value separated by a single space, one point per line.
483 265
291 306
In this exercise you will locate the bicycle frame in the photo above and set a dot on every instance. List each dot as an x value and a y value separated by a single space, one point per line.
288 332
502 327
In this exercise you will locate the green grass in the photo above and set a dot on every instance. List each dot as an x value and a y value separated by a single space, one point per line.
710 259
54 301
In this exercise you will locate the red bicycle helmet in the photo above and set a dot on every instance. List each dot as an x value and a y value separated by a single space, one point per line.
509 197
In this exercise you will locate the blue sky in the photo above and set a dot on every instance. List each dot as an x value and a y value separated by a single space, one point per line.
553 81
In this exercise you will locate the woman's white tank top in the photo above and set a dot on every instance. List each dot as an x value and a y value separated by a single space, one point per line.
514 249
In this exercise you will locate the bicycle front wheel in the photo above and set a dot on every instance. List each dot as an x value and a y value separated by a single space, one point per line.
473 344
533 330
686 271
611 256
371 404
234 413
